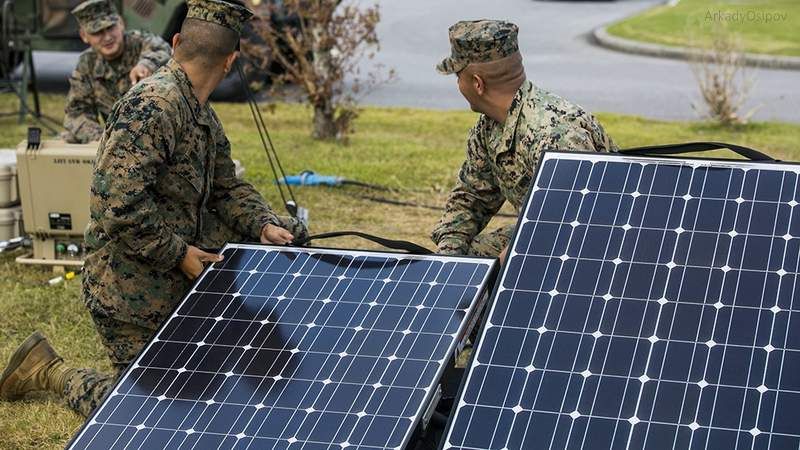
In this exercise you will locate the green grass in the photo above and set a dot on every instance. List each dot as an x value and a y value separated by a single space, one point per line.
691 22
416 151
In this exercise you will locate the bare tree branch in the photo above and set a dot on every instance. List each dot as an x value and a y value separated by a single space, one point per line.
321 53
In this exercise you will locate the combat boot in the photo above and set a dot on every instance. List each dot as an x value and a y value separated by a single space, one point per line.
35 366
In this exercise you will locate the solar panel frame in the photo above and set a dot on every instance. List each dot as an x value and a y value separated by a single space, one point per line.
691 161
477 306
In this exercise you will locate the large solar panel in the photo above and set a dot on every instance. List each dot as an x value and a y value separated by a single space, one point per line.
288 348
647 303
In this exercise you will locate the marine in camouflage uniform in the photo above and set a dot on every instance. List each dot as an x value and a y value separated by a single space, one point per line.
163 165
96 83
502 157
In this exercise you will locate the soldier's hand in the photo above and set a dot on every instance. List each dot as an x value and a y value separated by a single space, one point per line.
139 73
194 261
272 234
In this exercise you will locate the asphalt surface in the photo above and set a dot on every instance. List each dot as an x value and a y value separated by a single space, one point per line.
557 53
558 56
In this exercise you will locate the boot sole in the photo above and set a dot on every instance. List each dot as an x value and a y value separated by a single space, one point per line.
16 359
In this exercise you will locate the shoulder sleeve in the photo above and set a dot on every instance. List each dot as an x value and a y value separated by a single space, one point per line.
155 51
576 130
236 200
140 137
475 199
602 140
80 114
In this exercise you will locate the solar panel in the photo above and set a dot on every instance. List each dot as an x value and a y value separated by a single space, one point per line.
290 348
647 303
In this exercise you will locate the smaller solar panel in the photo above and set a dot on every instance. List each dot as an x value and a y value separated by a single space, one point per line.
292 348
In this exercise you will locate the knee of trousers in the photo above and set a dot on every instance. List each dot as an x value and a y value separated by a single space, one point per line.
123 341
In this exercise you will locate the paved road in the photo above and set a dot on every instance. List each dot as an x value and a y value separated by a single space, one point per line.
557 52
558 57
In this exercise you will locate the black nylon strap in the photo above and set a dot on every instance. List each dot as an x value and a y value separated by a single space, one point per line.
406 246
676 149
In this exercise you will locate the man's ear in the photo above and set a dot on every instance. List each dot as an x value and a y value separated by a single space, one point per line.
83 35
478 84
230 60
176 39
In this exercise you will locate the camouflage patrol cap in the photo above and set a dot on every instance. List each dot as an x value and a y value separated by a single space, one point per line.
229 14
478 41
95 15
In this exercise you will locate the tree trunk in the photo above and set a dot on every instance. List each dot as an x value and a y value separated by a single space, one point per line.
324 124
324 111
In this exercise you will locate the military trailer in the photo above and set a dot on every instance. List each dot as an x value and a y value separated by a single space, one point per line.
50 26
34 25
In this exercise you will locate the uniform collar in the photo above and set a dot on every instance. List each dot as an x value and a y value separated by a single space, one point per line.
200 113
508 135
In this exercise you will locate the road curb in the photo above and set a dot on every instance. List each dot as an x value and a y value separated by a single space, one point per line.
602 38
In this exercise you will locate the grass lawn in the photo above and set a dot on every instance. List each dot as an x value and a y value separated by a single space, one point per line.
417 152
765 26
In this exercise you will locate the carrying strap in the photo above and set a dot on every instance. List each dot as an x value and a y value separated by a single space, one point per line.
406 246
676 149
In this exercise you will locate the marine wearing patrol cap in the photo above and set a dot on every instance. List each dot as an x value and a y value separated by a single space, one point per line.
95 15
478 41
230 15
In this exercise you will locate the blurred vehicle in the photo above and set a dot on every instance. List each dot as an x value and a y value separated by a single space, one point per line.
31 25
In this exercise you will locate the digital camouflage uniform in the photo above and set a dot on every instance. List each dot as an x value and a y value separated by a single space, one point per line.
502 157
163 165
96 84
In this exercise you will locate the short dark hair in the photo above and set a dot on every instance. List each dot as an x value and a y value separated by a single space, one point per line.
499 72
205 41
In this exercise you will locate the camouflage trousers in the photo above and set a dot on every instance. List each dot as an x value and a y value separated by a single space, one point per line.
86 388
492 243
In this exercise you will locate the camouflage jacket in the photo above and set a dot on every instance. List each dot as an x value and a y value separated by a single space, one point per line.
501 160
96 84
162 164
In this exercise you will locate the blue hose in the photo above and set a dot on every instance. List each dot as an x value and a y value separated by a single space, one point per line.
309 178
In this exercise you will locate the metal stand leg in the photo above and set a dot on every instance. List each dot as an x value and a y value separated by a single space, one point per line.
23 86
37 112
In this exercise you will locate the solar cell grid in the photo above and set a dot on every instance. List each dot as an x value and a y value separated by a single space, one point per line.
295 348
647 303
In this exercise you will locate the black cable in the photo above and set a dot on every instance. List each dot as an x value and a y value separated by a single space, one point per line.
394 244
263 133
376 187
687 147
389 201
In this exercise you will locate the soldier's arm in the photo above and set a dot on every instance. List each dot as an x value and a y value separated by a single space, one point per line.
237 201
80 115
140 138
155 52
602 140
472 203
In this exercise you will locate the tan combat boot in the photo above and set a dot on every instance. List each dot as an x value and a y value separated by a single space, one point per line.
35 366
